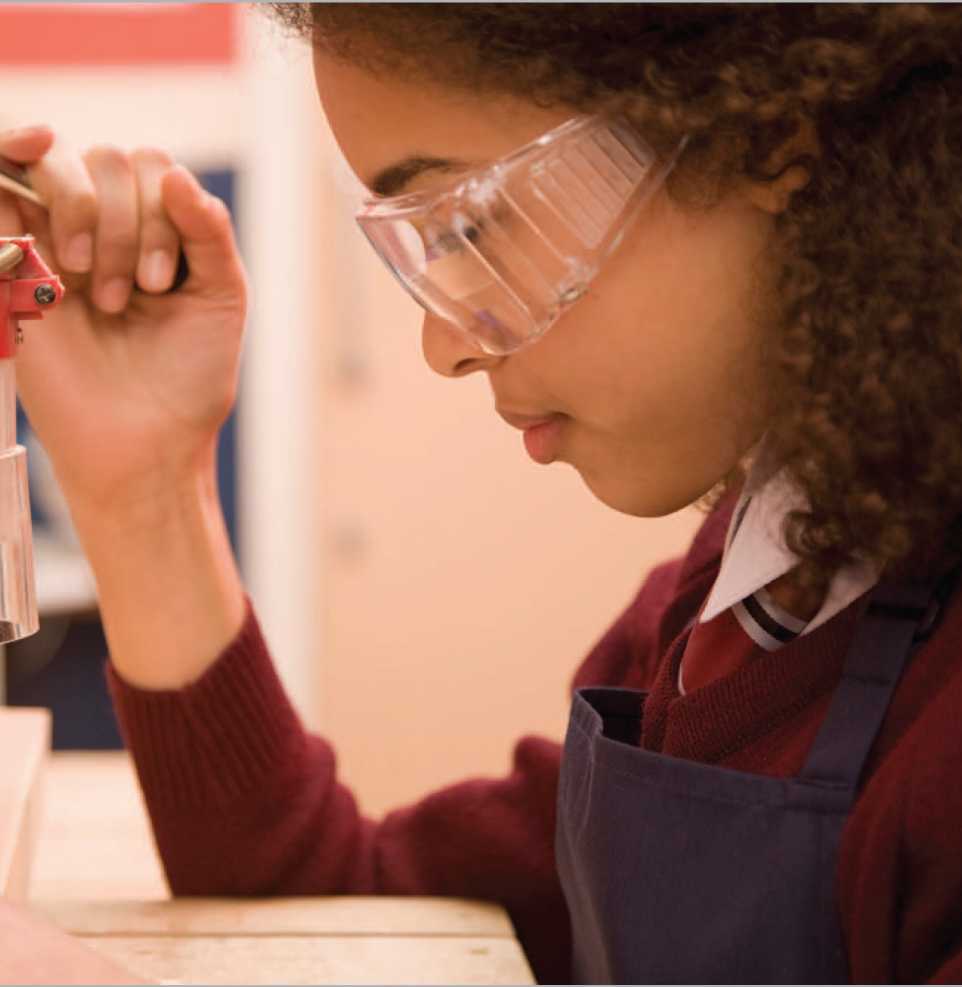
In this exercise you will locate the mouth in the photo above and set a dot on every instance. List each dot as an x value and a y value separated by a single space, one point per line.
542 433
524 422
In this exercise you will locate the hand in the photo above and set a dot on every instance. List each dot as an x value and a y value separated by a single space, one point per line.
126 389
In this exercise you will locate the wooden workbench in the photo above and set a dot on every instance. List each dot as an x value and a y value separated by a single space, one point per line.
96 874
94 840
24 747
303 941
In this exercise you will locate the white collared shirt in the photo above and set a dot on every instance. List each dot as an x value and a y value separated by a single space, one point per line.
755 554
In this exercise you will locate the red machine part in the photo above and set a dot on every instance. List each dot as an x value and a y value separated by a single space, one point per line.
25 292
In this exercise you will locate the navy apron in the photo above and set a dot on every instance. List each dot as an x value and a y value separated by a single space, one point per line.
678 872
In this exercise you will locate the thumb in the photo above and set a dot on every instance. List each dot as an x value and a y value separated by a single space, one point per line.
204 224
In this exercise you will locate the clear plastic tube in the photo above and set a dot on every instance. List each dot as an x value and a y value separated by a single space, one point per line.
18 600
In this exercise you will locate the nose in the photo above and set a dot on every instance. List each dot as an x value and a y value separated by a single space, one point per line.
450 352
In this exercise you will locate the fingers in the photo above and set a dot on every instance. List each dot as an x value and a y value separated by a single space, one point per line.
159 242
117 234
204 225
26 145
63 182
122 218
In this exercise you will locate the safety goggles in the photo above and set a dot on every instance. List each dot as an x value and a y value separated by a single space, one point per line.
504 252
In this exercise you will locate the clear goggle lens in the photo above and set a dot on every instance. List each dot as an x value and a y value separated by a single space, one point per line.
507 250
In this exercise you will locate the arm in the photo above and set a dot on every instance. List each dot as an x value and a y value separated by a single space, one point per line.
244 801
241 798
170 595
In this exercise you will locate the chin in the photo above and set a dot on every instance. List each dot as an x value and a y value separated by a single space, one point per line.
627 496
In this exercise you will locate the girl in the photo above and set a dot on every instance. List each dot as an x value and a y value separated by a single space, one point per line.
697 250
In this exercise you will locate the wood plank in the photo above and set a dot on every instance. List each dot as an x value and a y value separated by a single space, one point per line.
24 745
95 839
98 876
346 915
324 960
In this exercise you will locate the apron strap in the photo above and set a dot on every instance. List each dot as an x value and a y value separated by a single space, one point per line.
898 614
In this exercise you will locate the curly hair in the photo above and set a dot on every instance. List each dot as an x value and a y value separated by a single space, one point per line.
866 350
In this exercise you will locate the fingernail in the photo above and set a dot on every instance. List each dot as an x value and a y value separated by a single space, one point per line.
113 296
79 254
158 271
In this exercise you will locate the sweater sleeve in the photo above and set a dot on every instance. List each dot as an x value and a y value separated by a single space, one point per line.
243 801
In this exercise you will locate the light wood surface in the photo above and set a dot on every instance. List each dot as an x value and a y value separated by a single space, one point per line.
336 915
318 960
95 840
24 743
302 940
97 876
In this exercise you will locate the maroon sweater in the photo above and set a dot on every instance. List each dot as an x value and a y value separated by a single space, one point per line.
244 802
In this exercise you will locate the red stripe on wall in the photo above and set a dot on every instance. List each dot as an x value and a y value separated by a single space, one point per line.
106 34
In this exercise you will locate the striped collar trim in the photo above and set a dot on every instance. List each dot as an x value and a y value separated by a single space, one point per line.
755 554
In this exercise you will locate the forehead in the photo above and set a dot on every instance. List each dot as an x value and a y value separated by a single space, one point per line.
380 121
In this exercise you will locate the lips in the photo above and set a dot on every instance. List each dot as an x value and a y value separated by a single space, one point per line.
527 421
542 433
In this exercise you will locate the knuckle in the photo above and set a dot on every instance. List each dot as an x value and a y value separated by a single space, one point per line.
158 236
217 206
221 213
152 156
119 243
77 208
107 156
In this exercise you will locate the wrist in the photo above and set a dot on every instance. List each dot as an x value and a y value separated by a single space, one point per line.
149 504
171 598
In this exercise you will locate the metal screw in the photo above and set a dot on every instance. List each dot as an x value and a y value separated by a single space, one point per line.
45 294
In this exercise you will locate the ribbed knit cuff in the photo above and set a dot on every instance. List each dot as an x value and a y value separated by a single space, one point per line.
211 741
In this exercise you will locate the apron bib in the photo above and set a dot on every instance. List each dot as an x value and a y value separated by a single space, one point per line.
678 872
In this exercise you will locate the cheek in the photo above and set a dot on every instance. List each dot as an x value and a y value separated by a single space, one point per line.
660 364
673 321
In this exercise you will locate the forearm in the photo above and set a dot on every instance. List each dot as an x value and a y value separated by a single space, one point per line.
170 595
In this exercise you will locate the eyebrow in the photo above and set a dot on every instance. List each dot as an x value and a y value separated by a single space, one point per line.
392 180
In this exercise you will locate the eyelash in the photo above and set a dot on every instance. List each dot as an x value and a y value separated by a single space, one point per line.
449 242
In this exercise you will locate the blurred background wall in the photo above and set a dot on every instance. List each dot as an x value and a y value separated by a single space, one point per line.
426 590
